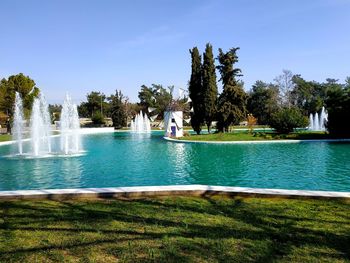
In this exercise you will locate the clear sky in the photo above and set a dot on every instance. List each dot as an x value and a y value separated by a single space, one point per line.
77 46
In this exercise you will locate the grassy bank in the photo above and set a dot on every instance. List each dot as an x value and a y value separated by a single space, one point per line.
5 137
257 136
181 229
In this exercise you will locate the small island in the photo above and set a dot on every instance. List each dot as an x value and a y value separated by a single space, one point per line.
259 136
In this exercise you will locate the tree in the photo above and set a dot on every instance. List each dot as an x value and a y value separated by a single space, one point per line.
22 84
98 118
83 110
285 85
96 102
210 90
118 109
263 101
309 96
156 97
233 99
287 119
338 107
195 89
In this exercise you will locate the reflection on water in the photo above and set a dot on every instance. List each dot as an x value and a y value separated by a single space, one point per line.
125 159
71 172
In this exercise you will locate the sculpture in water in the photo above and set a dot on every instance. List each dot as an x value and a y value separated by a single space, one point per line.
41 130
318 122
141 124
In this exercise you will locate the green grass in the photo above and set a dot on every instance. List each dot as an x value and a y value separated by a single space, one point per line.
5 137
257 136
176 229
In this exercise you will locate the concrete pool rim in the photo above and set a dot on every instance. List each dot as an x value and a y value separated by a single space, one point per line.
255 142
170 190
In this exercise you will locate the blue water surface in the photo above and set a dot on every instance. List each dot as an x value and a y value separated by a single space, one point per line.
125 159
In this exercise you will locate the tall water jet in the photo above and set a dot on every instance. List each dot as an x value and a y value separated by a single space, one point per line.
311 122
40 127
141 124
36 127
323 119
318 122
70 127
18 123
46 123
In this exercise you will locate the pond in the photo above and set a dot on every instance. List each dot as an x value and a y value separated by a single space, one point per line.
126 159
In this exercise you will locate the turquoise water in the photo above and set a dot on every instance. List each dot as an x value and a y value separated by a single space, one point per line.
123 159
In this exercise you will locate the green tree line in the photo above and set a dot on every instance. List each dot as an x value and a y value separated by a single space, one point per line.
284 104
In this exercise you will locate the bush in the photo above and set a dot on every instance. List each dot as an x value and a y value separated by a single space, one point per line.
98 118
287 119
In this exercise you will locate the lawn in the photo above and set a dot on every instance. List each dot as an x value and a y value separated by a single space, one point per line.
175 229
5 137
257 136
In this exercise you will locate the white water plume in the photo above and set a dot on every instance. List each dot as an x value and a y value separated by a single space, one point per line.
141 124
70 127
18 123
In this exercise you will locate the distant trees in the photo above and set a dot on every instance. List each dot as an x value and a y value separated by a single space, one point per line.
287 119
308 96
285 84
338 106
96 104
195 89
118 109
263 101
22 84
210 90
155 97
233 99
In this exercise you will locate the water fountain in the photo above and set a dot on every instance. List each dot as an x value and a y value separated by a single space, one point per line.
18 123
141 124
318 122
40 127
70 126
41 131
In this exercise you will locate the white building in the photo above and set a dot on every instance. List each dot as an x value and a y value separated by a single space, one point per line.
173 124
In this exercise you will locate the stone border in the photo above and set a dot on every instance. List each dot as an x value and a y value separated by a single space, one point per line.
255 142
171 190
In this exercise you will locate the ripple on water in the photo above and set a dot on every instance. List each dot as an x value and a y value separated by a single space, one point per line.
125 159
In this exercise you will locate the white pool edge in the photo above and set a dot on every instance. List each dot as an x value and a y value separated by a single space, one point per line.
255 142
139 191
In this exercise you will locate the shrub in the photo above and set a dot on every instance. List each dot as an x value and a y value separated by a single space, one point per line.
98 118
287 119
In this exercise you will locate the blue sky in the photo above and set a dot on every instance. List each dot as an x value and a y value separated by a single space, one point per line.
79 46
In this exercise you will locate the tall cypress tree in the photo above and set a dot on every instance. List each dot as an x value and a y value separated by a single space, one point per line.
195 91
233 99
210 89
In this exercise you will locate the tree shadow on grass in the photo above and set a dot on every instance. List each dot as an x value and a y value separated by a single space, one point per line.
252 223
